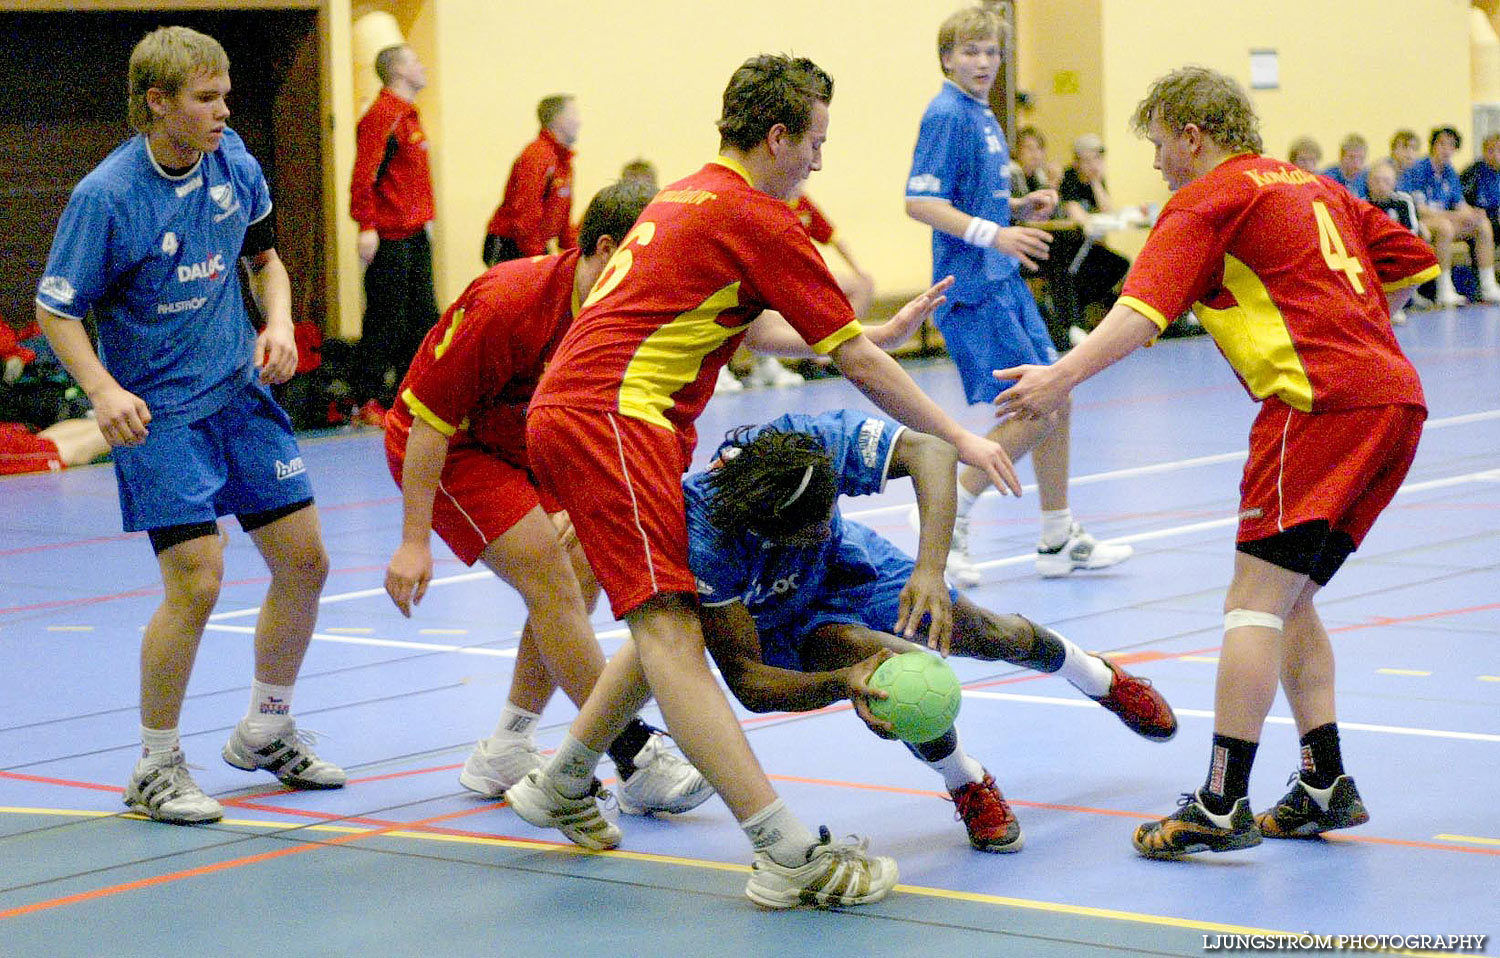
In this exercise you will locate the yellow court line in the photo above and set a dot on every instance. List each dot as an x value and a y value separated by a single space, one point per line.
1197 658
1489 678
1472 839
1056 908
1417 672
70 628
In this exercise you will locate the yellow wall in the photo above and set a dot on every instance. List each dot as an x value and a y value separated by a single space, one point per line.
648 76
1368 68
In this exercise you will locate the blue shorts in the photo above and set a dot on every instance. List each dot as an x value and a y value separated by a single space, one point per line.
1002 330
873 604
239 460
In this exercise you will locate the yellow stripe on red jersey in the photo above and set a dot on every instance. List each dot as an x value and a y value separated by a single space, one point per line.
1287 271
705 258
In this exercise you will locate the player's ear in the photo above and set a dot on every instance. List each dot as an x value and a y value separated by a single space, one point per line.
606 245
156 100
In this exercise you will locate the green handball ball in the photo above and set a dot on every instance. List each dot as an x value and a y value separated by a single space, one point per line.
924 695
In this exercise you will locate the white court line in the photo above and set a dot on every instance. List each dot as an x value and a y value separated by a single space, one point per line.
383 643
1178 465
1272 720
1490 475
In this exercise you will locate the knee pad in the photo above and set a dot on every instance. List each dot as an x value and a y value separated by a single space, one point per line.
1235 618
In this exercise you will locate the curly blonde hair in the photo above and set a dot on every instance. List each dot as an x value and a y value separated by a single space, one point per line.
1207 99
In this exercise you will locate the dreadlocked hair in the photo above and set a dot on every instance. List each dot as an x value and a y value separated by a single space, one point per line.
774 484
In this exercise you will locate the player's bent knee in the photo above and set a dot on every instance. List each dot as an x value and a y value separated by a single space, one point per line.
1240 618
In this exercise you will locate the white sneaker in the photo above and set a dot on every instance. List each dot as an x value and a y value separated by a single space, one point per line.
1418 301
582 820
1079 551
662 782
166 792
960 568
768 372
493 767
836 874
727 383
287 754
1077 334
1447 296
1489 292
1398 318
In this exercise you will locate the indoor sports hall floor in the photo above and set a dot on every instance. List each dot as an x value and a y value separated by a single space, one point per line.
405 862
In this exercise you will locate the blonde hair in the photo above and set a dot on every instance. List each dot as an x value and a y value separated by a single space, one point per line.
970 23
166 59
1207 99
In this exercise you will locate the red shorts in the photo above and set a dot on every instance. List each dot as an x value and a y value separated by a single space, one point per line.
621 481
479 496
21 450
1342 466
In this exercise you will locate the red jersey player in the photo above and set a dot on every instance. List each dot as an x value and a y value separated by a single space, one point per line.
611 431
456 444
1295 279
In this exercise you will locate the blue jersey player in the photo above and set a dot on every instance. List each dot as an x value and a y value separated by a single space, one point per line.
960 186
799 605
149 243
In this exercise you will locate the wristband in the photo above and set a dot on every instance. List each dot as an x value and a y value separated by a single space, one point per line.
981 232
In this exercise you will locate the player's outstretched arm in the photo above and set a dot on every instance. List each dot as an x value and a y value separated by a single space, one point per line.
730 637
932 465
899 328
889 387
410 568
1039 390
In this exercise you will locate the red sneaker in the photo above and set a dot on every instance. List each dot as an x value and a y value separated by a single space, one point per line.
372 413
983 810
1139 706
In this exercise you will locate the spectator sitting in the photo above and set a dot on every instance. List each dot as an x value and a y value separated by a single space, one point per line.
1396 204
1435 186
1083 273
1037 172
1349 172
1406 149
1481 181
1305 153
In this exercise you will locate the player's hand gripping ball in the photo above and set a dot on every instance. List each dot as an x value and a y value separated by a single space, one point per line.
924 695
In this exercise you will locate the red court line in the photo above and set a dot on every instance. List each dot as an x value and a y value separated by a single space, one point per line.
170 877
69 783
49 546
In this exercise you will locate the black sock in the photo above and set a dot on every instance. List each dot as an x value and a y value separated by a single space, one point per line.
1228 774
628 745
1322 762
937 749
1047 652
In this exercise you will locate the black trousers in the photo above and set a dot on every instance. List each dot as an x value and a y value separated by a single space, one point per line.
400 307
499 249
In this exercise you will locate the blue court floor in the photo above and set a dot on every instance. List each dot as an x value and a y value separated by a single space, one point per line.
404 861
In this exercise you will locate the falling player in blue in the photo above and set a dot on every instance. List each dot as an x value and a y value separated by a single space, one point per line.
149 243
800 605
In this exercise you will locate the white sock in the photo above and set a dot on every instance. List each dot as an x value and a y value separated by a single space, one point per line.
158 744
1487 282
958 769
270 709
571 769
966 500
1087 673
1057 525
780 834
1445 284
516 724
